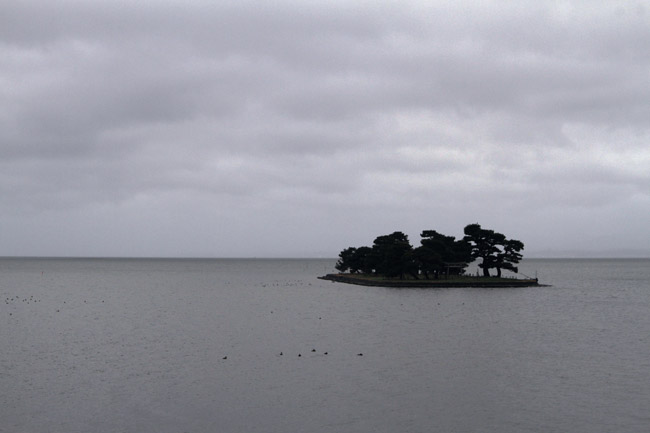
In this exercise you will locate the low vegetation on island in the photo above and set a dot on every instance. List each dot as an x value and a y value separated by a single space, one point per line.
392 257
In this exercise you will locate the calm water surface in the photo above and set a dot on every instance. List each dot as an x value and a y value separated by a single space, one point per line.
112 345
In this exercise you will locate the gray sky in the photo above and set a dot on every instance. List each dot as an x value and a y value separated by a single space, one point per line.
294 128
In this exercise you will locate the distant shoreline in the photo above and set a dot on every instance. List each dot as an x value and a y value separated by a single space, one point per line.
468 281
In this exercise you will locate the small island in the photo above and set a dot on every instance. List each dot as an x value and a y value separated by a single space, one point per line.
439 261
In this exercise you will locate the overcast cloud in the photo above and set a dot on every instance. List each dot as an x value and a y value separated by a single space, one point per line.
294 128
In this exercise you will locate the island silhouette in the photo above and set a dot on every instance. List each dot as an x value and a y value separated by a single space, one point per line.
440 260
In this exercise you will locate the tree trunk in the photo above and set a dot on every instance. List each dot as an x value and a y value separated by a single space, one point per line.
499 272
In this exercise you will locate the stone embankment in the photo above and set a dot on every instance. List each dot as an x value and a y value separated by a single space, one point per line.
486 282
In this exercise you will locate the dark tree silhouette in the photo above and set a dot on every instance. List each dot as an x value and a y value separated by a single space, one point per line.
439 254
346 261
355 260
363 260
428 260
494 250
392 256
509 256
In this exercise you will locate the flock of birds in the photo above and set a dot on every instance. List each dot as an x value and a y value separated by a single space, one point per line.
16 299
10 300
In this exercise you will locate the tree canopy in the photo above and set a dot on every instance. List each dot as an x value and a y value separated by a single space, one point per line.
494 250
393 256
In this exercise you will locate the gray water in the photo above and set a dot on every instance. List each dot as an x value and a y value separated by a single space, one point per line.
112 345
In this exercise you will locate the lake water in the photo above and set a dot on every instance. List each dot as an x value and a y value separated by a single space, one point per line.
123 345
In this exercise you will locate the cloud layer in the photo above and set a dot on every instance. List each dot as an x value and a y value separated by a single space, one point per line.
247 129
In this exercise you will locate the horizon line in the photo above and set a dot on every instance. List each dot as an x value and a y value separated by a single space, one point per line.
594 255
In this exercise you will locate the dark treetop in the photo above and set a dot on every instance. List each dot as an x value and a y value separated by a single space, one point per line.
392 255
